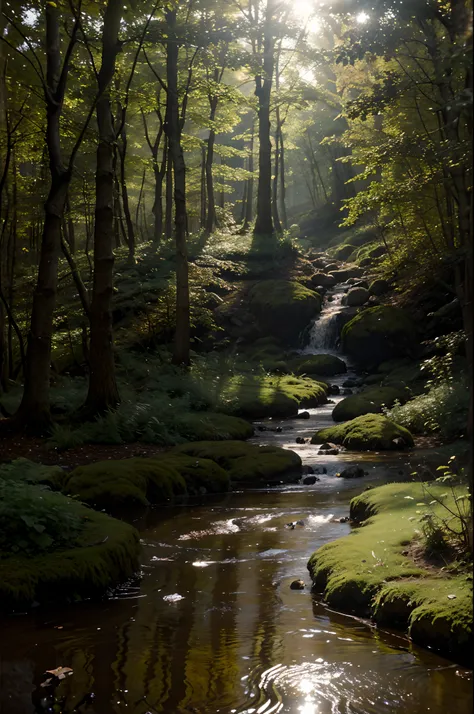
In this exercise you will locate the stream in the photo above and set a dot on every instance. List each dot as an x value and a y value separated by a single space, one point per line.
212 625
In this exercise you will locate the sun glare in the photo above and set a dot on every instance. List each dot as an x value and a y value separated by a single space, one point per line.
362 17
304 12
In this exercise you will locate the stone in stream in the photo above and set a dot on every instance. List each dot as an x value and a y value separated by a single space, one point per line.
307 470
321 470
300 440
309 480
334 389
303 415
297 585
352 472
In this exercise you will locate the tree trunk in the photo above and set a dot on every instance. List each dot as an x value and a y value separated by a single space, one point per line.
103 392
173 132
283 182
211 202
125 202
276 217
264 224
249 192
169 194
203 197
34 410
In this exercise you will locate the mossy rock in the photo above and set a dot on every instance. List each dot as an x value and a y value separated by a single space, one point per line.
344 274
370 401
200 426
393 364
379 287
321 365
283 308
247 463
357 296
343 252
257 396
322 280
140 482
106 554
370 432
378 334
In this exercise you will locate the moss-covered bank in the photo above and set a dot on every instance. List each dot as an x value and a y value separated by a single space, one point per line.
105 554
371 571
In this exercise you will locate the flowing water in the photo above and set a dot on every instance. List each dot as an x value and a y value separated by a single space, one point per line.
213 626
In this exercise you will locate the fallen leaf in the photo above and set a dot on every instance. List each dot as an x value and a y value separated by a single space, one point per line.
451 597
59 672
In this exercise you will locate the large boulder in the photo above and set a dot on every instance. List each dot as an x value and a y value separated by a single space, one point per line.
370 401
379 287
371 432
357 296
322 280
321 365
283 308
378 334
246 463
344 251
343 274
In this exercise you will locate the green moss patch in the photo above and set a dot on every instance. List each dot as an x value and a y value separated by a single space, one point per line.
256 396
378 334
370 401
320 365
371 573
247 463
370 432
132 482
105 552
283 308
198 426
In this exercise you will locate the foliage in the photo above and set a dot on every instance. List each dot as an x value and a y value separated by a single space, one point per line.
35 520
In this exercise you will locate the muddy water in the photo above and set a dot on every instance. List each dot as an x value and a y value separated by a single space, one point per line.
213 625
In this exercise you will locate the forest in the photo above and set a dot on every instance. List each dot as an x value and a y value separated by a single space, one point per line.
235 256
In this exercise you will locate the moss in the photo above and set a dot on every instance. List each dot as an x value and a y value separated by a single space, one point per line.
322 365
370 432
198 426
30 472
107 553
370 573
378 334
247 463
343 252
283 308
132 482
257 396
370 401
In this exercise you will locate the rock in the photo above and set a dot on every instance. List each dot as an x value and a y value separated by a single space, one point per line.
371 432
378 334
300 440
352 472
297 585
360 283
326 446
261 428
379 287
330 298
283 308
299 523
317 365
332 266
309 480
321 470
349 384
357 297
334 389
307 470
331 401
369 401
322 280
303 415
344 274
373 301
345 251
344 519
347 392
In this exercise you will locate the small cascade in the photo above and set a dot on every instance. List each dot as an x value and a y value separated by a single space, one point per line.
324 333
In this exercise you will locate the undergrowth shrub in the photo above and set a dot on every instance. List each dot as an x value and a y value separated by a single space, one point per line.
35 520
442 409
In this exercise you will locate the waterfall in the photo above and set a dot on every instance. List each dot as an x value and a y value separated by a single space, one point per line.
324 333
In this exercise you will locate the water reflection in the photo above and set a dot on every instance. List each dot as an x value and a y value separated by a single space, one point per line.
239 640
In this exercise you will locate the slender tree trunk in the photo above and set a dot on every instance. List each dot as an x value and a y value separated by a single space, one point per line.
284 216
173 132
34 411
203 196
103 391
249 194
276 217
169 194
131 239
211 203
264 223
